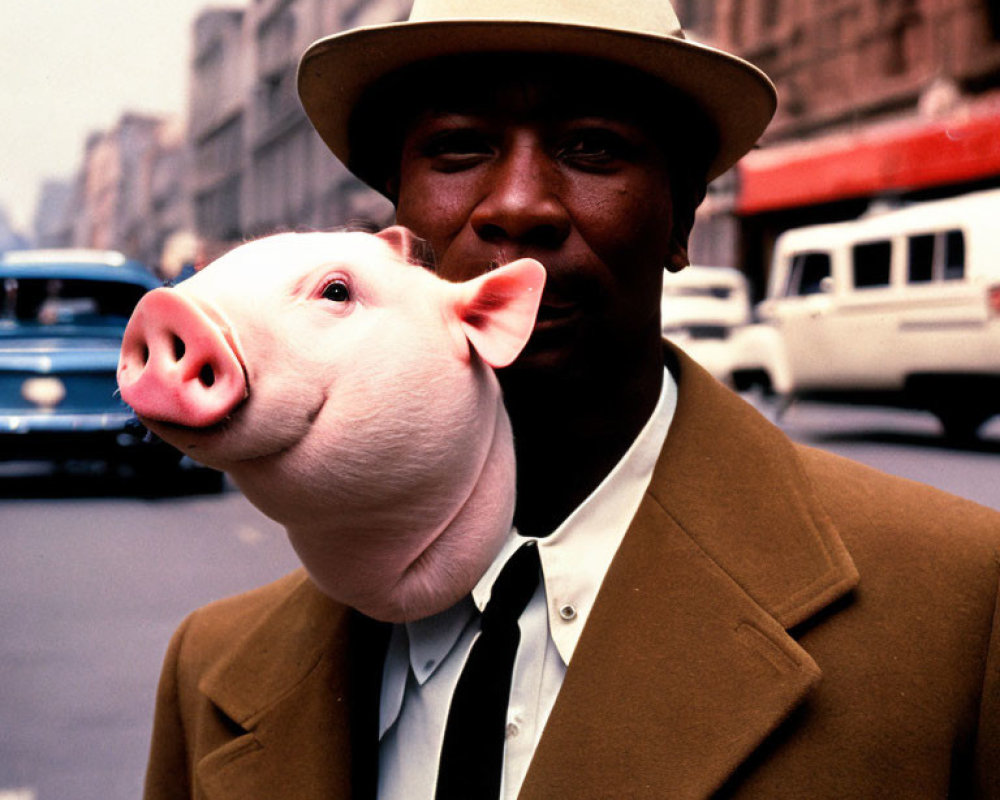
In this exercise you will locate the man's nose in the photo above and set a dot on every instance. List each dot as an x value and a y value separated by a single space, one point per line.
523 204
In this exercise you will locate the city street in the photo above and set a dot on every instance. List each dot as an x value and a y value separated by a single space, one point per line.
92 588
94 581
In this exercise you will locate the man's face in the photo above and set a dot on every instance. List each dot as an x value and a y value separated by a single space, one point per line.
559 166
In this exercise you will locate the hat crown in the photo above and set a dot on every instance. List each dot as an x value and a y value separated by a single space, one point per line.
655 17
339 71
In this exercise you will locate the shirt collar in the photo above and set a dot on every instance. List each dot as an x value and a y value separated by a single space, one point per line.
577 555
418 647
575 558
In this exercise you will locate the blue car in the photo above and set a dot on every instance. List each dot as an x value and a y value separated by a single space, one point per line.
62 316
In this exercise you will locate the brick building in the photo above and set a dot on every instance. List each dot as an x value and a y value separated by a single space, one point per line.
878 99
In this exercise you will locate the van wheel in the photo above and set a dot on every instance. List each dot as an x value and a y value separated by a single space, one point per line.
961 426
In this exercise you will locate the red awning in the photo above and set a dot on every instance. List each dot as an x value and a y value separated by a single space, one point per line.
900 156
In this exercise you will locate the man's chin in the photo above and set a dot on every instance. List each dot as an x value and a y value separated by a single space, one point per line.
546 365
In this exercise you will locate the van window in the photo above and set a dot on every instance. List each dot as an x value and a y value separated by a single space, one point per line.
954 256
807 273
872 264
921 258
936 256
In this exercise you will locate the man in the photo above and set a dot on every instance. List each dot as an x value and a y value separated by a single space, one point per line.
721 612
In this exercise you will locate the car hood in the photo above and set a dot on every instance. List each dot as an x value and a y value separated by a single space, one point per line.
54 354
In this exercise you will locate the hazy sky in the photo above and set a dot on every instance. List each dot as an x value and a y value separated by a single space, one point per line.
69 67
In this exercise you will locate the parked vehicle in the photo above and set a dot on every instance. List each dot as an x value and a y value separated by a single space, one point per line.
700 310
62 315
899 307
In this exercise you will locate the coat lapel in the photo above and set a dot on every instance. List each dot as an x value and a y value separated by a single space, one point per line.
685 665
302 690
684 668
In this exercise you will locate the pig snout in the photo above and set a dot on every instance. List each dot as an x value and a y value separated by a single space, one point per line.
177 365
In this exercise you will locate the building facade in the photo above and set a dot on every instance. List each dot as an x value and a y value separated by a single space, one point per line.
130 193
879 100
218 89
51 224
165 208
259 167
108 211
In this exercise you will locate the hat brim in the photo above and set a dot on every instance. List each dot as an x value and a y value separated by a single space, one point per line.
336 71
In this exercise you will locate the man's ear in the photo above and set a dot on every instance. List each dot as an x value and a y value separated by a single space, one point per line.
497 310
678 258
687 192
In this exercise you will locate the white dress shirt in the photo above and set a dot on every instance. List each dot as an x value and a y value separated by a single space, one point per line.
425 658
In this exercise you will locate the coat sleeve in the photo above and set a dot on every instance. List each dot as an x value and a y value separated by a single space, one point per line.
168 776
988 738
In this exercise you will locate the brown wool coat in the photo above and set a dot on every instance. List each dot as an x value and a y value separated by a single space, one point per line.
778 623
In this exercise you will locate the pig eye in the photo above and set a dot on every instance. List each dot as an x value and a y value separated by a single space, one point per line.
337 291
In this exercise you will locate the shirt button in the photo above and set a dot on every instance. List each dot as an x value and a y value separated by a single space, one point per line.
568 612
512 729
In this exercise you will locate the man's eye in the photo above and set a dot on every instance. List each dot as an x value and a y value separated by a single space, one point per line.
337 291
595 147
456 148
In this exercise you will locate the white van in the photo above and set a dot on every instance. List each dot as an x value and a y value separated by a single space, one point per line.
900 307
700 309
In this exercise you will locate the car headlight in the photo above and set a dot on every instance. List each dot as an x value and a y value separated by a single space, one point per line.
45 392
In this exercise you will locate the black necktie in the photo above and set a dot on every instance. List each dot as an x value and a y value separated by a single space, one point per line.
472 756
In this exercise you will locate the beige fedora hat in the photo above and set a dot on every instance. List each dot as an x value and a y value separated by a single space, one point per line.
737 98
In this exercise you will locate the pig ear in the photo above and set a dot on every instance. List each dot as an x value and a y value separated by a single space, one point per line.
497 310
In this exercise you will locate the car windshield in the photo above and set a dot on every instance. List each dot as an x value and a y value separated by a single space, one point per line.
48 303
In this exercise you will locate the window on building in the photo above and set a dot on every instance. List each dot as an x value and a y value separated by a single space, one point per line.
736 23
276 40
872 264
697 15
895 54
770 12
807 273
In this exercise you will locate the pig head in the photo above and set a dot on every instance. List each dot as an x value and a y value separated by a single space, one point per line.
350 395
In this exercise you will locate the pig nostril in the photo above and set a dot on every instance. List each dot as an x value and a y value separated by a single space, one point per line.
207 375
179 348
145 355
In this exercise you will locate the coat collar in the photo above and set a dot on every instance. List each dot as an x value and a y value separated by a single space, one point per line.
302 690
736 486
685 666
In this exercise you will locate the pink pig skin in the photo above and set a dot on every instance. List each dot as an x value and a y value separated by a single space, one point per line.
371 427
